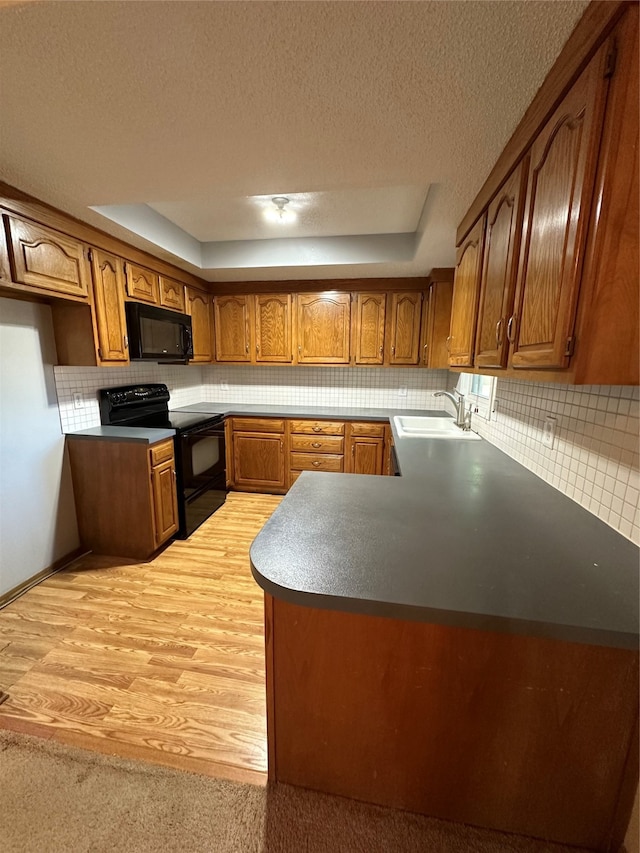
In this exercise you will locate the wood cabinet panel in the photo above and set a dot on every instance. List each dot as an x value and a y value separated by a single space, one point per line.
317 427
232 328
366 455
317 462
198 306
369 327
46 259
165 503
172 294
317 444
466 287
142 284
500 268
367 429
258 460
272 313
404 344
436 324
559 190
108 297
323 326
259 424
161 452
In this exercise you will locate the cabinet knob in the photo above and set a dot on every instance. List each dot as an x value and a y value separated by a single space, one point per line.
316 444
316 464
299 349
257 347
317 429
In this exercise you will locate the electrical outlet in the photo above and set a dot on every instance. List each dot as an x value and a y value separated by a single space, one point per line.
78 402
402 392
224 386
549 427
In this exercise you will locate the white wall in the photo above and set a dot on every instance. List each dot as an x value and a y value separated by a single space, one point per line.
37 510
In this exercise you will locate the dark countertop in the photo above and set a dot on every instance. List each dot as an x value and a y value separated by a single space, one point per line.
465 537
327 412
113 433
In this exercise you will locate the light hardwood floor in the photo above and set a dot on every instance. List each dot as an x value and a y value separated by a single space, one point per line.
162 661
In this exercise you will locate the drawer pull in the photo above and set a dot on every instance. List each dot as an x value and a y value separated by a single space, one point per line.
315 463
316 444
317 429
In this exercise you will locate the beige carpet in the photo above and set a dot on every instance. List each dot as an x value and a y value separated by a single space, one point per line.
57 799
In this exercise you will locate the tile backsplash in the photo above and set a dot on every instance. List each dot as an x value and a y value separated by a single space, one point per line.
594 460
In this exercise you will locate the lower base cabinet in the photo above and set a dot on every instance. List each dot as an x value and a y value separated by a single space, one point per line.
257 455
366 448
125 492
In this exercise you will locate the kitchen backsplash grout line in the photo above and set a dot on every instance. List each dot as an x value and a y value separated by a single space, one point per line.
594 460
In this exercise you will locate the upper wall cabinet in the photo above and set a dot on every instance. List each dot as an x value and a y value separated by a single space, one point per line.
404 332
466 287
142 284
171 294
46 259
232 328
323 326
199 308
108 294
561 179
272 328
369 327
500 267
436 322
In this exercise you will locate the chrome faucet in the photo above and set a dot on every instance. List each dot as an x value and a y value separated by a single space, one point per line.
461 421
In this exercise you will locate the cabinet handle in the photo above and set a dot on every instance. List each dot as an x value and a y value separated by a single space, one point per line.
381 350
425 348
246 349
282 445
316 444
299 349
353 450
498 330
317 429
448 343
125 341
510 324
315 463
393 350
257 347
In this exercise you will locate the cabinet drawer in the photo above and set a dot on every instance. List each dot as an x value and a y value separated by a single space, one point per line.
317 444
161 452
258 425
316 462
367 429
318 427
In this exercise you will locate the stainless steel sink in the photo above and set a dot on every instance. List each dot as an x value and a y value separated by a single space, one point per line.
417 427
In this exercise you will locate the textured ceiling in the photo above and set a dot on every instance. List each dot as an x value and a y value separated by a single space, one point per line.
190 105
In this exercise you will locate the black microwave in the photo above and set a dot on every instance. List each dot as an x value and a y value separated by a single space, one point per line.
156 334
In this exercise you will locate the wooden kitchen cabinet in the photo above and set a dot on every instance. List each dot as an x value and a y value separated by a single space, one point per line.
272 328
108 295
368 323
323 327
404 331
558 203
125 494
499 270
172 294
258 455
143 285
466 287
316 445
366 445
436 320
199 308
232 328
46 260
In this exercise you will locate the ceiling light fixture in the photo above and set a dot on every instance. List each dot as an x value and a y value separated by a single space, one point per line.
280 201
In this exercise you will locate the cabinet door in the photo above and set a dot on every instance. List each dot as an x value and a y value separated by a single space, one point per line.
404 344
258 460
500 269
43 258
557 209
436 324
273 328
165 502
369 327
365 456
323 328
142 284
464 308
108 292
199 308
171 294
232 328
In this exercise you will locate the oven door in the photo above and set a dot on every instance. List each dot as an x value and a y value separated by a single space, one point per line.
202 479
